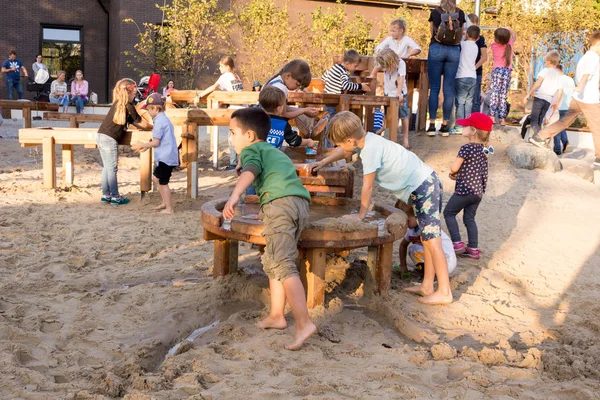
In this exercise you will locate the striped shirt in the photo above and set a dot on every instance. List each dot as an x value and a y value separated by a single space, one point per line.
337 80
378 119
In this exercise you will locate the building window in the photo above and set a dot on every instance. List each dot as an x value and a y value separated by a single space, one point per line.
62 49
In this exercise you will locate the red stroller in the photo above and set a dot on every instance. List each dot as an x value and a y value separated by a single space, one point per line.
147 86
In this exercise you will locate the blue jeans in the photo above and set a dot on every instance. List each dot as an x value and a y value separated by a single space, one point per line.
538 113
62 100
465 89
109 150
80 103
442 60
561 138
14 84
477 96
326 143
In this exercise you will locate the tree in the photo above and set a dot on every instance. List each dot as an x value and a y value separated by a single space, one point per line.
192 33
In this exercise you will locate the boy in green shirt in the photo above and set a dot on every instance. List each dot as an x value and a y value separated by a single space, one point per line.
284 212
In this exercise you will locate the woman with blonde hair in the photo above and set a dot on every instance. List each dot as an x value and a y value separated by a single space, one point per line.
58 91
122 113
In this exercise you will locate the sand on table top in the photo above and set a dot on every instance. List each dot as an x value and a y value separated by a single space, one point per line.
93 297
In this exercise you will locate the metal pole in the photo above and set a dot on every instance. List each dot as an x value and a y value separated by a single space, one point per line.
478 9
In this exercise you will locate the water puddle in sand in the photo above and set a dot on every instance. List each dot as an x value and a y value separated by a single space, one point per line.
190 339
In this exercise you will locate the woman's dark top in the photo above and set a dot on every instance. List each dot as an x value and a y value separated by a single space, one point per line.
113 130
436 18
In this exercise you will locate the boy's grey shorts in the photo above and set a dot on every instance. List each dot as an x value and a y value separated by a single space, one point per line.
284 219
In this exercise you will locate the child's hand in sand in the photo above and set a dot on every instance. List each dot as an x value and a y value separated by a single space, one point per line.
229 209
139 147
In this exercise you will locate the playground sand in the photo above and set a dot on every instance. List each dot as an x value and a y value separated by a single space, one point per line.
94 297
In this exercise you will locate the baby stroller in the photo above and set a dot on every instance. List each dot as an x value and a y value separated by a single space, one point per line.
147 86
40 85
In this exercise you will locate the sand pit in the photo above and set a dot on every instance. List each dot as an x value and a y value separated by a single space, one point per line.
94 297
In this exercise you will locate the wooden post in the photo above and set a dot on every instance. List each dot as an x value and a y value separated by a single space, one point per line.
391 119
73 122
145 172
26 111
384 267
371 276
233 255
423 97
411 92
369 118
49 162
221 257
190 146
344 104
315 277
213 131
67 163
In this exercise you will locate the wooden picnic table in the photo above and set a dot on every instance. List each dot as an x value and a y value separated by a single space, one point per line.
27 106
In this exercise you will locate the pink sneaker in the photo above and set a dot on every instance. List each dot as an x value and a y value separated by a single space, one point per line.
473 253
459 247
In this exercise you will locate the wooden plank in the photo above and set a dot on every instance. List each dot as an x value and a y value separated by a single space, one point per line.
27 117
200 116
325 189
315 277
221 257
384 267
237 98
79 118
67 163
185 95
85 136
49 163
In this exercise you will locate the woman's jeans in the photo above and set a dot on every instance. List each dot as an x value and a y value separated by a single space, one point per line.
80 102
442 60
62 100
109 150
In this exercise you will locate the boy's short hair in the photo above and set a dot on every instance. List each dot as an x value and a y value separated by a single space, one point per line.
156 107
351 56
473 32
400 22
12 52
254 119
271 97
473 18
559 67
594 38
553 58
345 125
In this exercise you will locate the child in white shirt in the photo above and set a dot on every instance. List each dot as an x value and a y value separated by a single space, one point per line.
544 90
466 76
402 45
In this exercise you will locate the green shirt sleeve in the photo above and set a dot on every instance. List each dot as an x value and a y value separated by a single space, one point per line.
251 160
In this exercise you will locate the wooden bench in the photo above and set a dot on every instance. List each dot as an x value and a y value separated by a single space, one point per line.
74 119
68 137
26 107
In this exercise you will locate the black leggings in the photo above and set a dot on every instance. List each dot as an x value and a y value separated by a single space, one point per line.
469 204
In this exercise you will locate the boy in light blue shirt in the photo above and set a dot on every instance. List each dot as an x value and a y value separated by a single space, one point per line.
404 174
166 157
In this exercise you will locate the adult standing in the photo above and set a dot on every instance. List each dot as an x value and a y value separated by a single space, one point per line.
446 23
12 68
79 92
37 65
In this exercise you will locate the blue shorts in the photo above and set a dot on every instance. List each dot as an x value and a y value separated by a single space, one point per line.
403 108
427 205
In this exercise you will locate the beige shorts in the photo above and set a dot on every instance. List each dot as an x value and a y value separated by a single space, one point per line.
284 220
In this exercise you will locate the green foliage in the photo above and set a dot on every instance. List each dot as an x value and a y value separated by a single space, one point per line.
193 32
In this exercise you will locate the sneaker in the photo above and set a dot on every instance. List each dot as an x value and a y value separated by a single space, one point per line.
565 146
473 253
459 247
119 200
597 162
455 131
538 141
105 199
431 130
229 168
444 131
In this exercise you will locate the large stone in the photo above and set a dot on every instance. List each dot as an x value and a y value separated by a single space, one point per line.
581 168
528 156
506 135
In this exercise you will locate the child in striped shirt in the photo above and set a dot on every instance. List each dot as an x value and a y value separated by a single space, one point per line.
336 78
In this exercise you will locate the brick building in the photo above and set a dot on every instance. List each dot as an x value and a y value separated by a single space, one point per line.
90 34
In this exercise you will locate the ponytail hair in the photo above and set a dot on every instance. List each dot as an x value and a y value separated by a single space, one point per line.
502 36
228 61
483 136
121 97
299 69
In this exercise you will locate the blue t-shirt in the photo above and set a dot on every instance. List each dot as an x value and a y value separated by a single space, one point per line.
166 151
396 168
13 75
281 130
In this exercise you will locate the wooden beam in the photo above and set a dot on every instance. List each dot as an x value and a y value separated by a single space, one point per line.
384 267
49 163
371 276
27 117
315 277
391 119
221 257
200 116
237 98
67 164
423 97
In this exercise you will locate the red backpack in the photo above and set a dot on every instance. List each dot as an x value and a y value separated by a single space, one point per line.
450 31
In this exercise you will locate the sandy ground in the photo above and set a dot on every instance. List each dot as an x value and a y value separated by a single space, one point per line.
93 297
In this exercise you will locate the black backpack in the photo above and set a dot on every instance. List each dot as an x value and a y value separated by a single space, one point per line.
450 31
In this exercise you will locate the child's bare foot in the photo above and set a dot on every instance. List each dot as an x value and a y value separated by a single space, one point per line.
437 299
301 336
419 290
272 323
167 211
160 207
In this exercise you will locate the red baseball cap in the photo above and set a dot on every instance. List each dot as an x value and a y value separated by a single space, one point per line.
477 120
